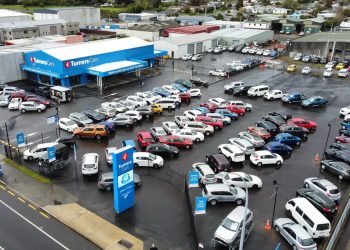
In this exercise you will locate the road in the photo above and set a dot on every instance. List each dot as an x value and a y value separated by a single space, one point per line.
24 226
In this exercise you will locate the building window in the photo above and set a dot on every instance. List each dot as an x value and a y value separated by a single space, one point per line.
260 24
26 32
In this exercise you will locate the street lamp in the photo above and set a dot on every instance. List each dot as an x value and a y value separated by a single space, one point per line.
325 146
274 205
58 118
142 83
241 241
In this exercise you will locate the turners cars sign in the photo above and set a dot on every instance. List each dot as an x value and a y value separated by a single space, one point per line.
123 179
35 60
75 63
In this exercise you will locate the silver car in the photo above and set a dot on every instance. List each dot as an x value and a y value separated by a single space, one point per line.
108 153
225 120
246 146
324 186
129 105
80 119
158 132
295 234
122 120
180 120
222 193
169 127
31 106
254 139
4 100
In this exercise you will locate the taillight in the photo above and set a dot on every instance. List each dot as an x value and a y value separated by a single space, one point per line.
326 210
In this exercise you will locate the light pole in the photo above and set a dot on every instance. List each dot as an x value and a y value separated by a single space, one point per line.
58 118
241 241
274 204
142 83
325 146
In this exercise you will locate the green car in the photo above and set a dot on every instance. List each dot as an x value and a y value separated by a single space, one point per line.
185 83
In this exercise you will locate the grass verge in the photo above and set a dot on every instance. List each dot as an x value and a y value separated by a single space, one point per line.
28 171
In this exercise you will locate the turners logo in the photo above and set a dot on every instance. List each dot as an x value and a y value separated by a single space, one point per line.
34 60
125 156
73 63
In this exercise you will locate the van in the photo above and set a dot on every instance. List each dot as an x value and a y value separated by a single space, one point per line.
167 103
259 90
218 163
309 217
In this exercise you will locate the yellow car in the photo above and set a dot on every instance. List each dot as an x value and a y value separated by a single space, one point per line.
156 108
340 66
292 68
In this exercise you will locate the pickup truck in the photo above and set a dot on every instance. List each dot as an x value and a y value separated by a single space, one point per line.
295 97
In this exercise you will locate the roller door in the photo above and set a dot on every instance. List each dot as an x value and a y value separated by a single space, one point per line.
214 43
190 49
199 48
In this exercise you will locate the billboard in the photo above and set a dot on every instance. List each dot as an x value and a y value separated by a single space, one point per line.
123 176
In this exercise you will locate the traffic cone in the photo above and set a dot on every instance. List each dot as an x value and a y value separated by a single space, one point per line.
317 158
267 225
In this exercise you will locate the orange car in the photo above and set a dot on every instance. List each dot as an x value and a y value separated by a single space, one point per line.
91 131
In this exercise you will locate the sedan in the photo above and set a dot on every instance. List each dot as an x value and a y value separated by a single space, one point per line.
314 101
173 90
279 148
288 139
295 234
273 94
176 141
227 113
209 105
252 138
283 114
225 120
310 125
158 132
269 126
306 70
295 130
94 116
199 81
341 169
239 179
342 139
180 87
67 124
278 121
264 157
163 150
263 133
170 127
217 124
189 134
195 92
162 92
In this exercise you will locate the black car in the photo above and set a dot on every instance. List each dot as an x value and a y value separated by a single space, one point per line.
218 163
241 90
341 169
320 201
344 132
43 91
199 81
315 59
145 111
69 141
278 121
339 155
340 146
163 150
239 49
295 130
284 115
96 117
46 167
269 126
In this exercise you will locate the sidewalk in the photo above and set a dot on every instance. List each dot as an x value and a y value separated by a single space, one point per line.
94 228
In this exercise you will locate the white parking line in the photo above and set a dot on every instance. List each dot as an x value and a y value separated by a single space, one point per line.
113 94
31 223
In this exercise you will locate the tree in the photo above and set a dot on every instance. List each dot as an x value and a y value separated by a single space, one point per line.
290 4
239 4
265 2
219 17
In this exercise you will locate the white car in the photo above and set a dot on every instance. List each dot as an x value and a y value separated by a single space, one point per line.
158 132
260 51
240 179
195 92
189 134
180 120
324 186
31 106
245 50
218 72
4 100
108 153
129 105
135 115
119 108
347 118
137 101
252 50
225 120
176 98
267 52
147 97
171 89
343 73
264 157
306 70
170 127
89 165
273 94
298 57
329 65
328 73
186 57
344 111
38 152
145 159
108 112
67 124
192 114
14 103
247 106
220 102
232 152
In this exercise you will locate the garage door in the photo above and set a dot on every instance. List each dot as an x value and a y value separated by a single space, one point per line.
190 49
199 48
214 43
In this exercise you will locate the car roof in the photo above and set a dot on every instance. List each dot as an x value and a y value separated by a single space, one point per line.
90 158
262 152
217 186
145 134
300 231
238 214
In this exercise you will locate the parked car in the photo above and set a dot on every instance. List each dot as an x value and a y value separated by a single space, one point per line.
90 164
186 57
199 81
14 103
122 120
314 101
197 57
192 114
43 91
222 193
294 97
341 169
246 146
170 127
254 139
46 102
195 92
239 179
31 106
163 150
203 110
176 141
180 87
67 124
129 105
108 153
295 130
91 131
306 58
343 73
216 124
278 121
146 159
136 101
180 120
105 181
144 138
209 105
225 120
324 186
171 89
134 115
227 113
189 134
262 132
279 148
218 162
342 139
118 107
292 68
283 114
4 100
269 126
344 132
310 125
232 152
80 119
328 73
288 139
156 108
96 117
162 92
107 112
200 127
264 157
158 132
206 174
336 152
218 72
240 104
145 111
273 94
185 83
38 151
229 88
306 70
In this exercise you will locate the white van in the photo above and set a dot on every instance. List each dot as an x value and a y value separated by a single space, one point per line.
167 103
39 151
259 90
309 217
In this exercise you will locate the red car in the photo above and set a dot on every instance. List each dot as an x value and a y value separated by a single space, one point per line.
342 139
41 101
21 94
217 124
310 125
260 132
209 105
235 109
176 141
185 97
145 139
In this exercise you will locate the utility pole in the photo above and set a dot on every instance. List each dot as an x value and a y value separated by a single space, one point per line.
274 205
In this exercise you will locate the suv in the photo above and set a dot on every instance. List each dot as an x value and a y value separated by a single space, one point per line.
91 131
293 98
200 127
206 174
229 88
220 192
40 151
324 186
230 229
31 106
218 162
80 119
89 165
105 181
122 120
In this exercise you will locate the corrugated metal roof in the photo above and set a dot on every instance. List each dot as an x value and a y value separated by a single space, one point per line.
26 24
195 18
317 20
245 33
193 29
11 13
181 40
325 37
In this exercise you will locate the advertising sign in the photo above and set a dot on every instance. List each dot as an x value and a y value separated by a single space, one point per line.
20 139
201 205
52 119
123 176
193 177
51 153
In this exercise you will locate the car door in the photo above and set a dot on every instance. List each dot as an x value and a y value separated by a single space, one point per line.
287 233
88 133
269 159
226 196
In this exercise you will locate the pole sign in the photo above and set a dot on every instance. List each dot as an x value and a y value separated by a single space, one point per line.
201 205
193 177
51 153
52 119
20 139
123 178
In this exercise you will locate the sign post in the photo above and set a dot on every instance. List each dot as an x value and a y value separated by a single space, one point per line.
51 153
193 178
123 179
20 140
201 205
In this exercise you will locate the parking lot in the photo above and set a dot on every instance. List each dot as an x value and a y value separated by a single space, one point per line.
160 214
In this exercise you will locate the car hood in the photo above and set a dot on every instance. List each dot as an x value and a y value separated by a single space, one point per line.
226 235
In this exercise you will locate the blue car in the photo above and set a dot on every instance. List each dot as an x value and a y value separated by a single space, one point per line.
314 101
227 113
288 139
130 143
345 125
203 110
111 127
295 97
162 92
180 87
278 148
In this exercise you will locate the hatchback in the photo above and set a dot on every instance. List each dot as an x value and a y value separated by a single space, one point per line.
279 148
206 174
264 157
145 138
341 169
288 139
324 186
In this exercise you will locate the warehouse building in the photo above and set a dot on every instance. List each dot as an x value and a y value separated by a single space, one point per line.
245 36
225 24
193 20
13 16
189 30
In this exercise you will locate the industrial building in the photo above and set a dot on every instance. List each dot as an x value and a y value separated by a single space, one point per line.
13 16
137 17
244 36
81 14
27 29
190 30
225 24
193 20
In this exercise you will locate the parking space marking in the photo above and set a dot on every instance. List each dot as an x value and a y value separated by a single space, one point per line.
1 186
31 143
11 193
45 215
20 199
32 207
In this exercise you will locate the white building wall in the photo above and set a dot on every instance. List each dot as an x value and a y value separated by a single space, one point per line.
85 16
260 26
45 16
163 45
148 36
10 70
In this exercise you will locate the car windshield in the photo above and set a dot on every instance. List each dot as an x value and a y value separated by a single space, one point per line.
334 191
89 165
230 225
322 226
70 123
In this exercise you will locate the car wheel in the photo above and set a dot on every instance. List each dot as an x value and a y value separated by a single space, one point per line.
290 102
248 109
306 185
39 110
225 123
187 146
136 165
216 127
230 91
220 151
23 110
277 228
155 166
294 247
108 188
207 133
134 120
323 166
147 116
298 144
341 177
259 164
169 108
255 186
171 155
213 202
278 164
77 136
239 201
98 137
197 140
30 158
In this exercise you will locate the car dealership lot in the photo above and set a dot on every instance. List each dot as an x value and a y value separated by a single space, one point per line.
160 213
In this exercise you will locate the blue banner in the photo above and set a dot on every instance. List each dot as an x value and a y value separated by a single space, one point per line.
201 205
20 139
123 178
51 153
193 177
278 247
